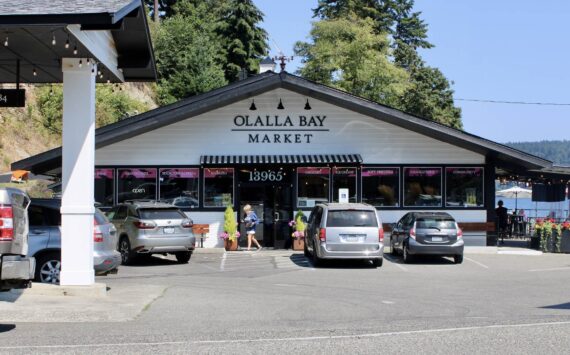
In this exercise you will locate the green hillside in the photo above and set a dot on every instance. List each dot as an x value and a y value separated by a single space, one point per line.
556 151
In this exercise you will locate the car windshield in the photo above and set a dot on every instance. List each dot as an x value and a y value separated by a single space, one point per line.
435 223
351 218
161 213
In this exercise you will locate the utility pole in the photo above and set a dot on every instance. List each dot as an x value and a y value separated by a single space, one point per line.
155 12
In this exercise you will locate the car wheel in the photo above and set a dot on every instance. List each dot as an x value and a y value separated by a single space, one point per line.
183 257
377 262
406 255
393 250
125 250
306 250
316 260
458 259
48 268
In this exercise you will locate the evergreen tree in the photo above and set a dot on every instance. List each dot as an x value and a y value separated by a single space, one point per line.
244 41
188 53
165 7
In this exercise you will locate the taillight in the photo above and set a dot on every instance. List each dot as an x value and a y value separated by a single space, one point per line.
97 235
381 235
413 231
459 231
187 223
323 235
6 223
144 224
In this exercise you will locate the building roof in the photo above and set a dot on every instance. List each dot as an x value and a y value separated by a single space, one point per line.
31 25
513 159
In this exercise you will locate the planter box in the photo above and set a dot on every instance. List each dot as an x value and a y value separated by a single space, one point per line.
299 244
231 245
565 242
535 243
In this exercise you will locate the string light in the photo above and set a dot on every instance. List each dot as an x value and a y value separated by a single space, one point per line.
99 73
6 42
75 50
88 61
35 72
67 43
80 63
53 41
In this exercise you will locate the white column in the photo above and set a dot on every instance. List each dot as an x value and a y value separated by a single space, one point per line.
77 203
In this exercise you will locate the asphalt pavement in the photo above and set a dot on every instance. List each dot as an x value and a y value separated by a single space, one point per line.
276 302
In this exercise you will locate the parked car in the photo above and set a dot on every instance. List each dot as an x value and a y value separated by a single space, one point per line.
45 241
344 231
151 227
16 270
427 233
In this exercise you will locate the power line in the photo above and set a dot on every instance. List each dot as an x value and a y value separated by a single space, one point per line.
516 102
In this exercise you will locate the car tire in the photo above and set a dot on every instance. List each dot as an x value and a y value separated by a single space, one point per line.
393 250
306 250
406 257
125 250
377 262
458 259
48 268
183 257
316 260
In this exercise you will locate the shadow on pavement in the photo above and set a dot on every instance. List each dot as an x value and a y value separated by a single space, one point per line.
10 296
6 327
302 261
421 259
558 306
152 260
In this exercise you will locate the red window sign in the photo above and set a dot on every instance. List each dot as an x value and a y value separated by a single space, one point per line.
465 171
190 173
218 172
345 171
138 173
379 172
104 174
313 171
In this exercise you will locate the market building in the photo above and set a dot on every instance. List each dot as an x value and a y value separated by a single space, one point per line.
283 143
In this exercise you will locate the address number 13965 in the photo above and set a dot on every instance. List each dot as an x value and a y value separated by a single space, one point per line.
266 175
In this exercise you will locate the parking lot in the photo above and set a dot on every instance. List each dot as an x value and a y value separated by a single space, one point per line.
277 302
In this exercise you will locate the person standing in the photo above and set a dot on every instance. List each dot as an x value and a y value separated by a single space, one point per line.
251 221
502 221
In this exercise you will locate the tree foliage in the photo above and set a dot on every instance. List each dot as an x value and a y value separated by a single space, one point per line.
188 53
111 105
165 7
244 42
557 151
429 94
348 54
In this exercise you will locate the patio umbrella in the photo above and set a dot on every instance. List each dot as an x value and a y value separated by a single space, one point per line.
515 192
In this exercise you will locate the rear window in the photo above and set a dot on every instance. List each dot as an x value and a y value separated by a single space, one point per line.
100 218
352 218
161 213
435 223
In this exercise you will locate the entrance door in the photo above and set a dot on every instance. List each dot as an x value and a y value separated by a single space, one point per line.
273 205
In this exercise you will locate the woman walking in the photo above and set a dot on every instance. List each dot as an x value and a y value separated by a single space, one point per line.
251 221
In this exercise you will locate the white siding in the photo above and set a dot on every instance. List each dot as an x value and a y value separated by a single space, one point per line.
378 142
216 222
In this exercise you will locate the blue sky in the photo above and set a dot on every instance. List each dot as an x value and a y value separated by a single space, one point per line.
499 50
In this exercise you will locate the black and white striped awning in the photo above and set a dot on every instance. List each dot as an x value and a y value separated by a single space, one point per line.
280 159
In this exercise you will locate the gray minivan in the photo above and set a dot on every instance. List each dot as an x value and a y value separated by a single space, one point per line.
16 270
344 231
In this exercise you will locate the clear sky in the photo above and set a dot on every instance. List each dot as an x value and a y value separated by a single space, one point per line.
508 50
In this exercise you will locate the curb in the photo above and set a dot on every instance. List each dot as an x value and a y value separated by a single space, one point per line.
97 290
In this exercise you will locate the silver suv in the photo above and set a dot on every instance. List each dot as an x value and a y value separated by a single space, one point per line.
150 227
16 270
344 231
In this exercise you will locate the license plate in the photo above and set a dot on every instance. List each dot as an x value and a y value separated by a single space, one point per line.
168 230
437 239
352 238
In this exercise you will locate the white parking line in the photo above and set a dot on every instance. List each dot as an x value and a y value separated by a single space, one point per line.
294 339
476 262
564 268
394 262
223 263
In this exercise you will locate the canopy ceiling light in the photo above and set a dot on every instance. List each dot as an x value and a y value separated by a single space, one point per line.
280 106
307 105
252 107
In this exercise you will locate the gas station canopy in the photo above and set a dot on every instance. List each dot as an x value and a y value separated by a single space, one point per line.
39 33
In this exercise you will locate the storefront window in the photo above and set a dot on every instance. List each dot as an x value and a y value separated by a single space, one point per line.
464 187
381 186
136 184
104 179
218 187
313 186
422 187
180 187
344 178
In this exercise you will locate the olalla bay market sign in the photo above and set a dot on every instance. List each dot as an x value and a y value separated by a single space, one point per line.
280 129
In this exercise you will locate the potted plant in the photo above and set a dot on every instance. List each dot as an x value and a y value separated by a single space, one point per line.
565 237
550 234
299 227
230 234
